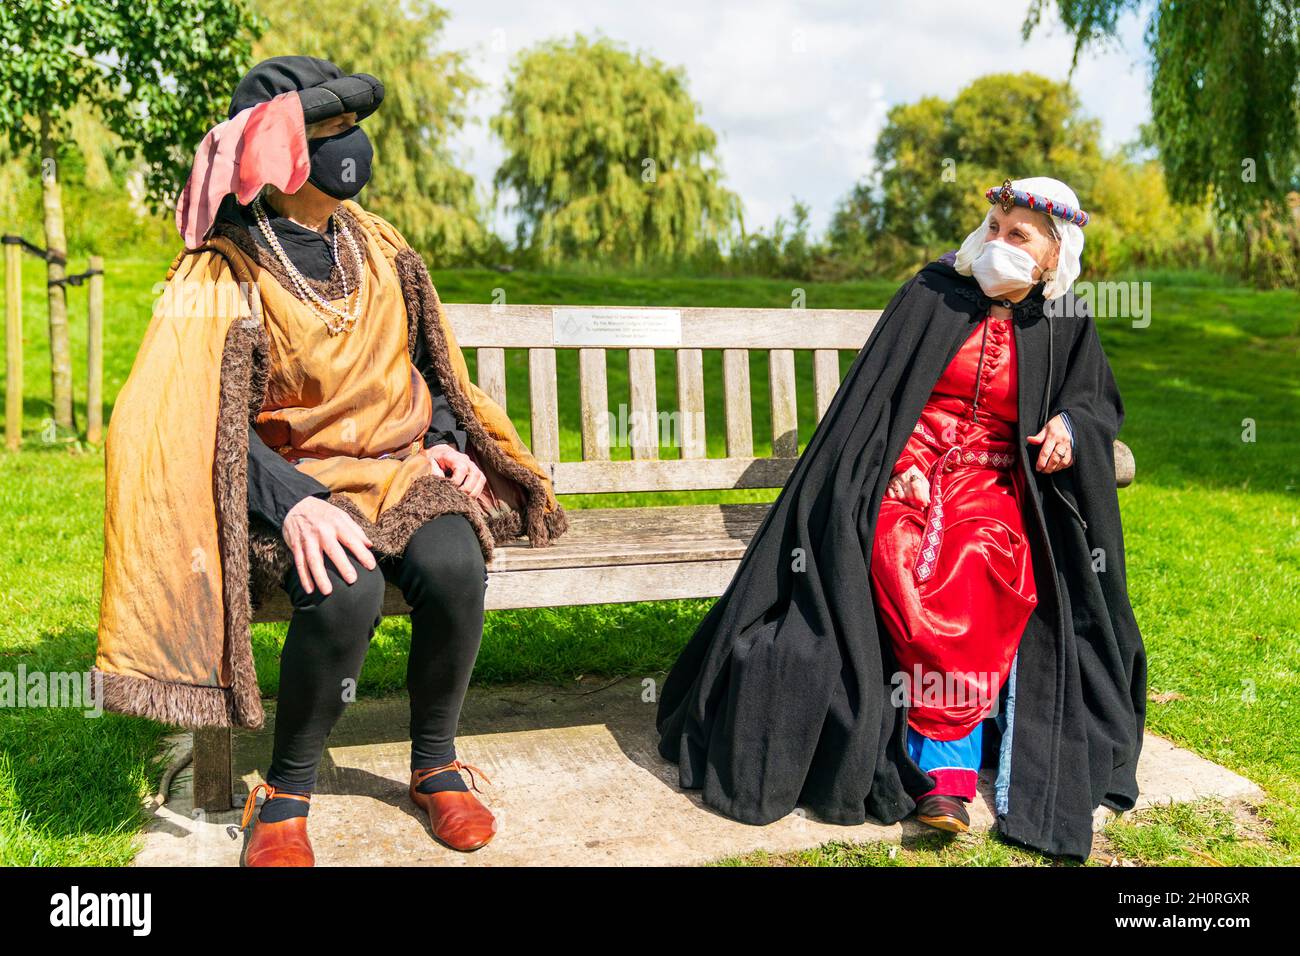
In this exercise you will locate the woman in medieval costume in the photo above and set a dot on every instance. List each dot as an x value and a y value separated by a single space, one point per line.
300 416
942 578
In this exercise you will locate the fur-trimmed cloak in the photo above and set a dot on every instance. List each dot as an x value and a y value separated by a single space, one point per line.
182 566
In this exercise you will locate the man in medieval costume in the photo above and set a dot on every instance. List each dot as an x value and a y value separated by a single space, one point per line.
300 416
940 585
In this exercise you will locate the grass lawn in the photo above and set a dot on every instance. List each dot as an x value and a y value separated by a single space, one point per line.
1213 538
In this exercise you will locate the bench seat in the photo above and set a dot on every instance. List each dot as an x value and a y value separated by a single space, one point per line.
609 556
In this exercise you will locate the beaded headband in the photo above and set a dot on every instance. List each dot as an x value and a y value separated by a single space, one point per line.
1006 197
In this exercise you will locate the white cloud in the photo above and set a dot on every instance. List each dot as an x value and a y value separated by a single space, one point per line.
797 92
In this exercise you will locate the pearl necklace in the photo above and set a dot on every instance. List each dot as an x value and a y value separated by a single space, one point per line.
343 320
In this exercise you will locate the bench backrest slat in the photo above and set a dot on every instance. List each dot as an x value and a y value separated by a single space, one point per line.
826 378
491 329
690 401
785 411
735 385
644 413
594 390
533 326
670 474
545 402
492 373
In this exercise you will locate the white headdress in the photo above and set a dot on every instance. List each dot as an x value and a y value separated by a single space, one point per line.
1036 193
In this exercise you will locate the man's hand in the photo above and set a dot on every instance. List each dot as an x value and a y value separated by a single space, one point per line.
315 528
911 486
457 467
1057 451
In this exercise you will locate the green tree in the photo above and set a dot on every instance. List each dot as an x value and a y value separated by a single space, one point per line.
608 156
1137 225
154 71
786 252
416 184
934 158
1225 92
858 244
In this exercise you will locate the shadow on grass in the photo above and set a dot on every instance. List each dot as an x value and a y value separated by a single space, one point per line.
69 777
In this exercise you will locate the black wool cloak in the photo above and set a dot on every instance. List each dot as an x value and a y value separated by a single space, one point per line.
783 694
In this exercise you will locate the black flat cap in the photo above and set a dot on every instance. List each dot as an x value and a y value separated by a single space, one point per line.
324 89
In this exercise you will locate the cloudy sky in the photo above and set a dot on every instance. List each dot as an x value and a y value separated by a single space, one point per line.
797 92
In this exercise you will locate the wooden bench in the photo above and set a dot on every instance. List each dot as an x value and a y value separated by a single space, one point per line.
615 555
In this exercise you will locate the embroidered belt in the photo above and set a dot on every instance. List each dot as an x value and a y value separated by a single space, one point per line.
1000 457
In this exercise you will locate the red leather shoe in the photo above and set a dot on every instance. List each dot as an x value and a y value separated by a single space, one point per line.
456 816
283 843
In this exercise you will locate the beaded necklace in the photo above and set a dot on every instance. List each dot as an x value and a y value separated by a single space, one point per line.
343 321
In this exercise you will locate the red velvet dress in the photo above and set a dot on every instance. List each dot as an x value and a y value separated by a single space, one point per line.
953 580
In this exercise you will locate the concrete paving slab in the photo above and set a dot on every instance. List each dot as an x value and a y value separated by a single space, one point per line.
576 779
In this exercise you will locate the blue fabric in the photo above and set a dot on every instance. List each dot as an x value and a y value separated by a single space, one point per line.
961 754
1006 723
1006 195
1069 427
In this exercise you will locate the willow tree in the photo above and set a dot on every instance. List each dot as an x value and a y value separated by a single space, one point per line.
608 156
1225 92
416 184
153 71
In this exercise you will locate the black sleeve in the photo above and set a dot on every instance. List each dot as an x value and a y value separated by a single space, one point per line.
1089 397
274 485
443 427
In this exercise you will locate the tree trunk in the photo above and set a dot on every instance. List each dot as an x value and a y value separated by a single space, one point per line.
56 269
1245 241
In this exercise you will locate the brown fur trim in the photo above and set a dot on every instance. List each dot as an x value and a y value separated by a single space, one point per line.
505 524
331 288
423 307
427 498
230 492
184 705
268 560
259 374
557 522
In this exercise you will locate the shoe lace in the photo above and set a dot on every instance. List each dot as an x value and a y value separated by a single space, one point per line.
426 772
250 805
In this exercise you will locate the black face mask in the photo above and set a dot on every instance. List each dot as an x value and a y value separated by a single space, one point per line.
340 164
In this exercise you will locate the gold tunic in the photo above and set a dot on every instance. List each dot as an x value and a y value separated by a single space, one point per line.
352 406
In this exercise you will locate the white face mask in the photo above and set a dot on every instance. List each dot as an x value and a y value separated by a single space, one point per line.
1002 269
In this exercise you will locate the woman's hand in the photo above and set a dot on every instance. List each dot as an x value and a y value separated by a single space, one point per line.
458 468
910 486
314 528
1057 451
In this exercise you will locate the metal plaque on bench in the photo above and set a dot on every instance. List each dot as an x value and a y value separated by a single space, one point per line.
618 328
